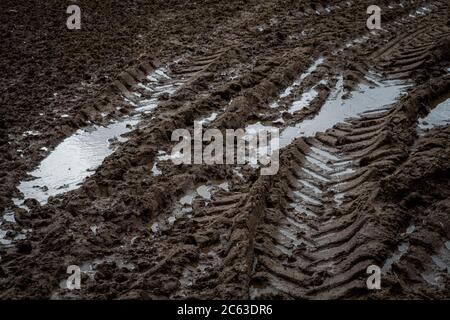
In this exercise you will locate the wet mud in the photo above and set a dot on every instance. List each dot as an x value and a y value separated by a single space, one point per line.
86 170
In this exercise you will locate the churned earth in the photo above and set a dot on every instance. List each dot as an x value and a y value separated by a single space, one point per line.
85 137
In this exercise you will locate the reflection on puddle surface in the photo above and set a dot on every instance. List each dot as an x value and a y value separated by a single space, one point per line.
89 269
163 156
439 267
360 40
209 118
258 131
401 250
288 91
7 235
422 11
9 217
184 206
366 100
73 160
439 116
3 241
336 109
79 155
305 99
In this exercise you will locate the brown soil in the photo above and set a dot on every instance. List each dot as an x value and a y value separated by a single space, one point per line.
236 57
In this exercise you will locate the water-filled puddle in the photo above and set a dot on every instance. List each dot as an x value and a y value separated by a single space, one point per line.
208 119
3 240
184 206
366 100
439 266
7 235
163 156
89 269
421 11
305 99
309 185
79 155
401 250
439 116
353 42
336 109
252 134
73 160
288 91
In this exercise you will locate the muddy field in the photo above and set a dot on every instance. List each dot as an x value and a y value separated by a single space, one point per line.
364 162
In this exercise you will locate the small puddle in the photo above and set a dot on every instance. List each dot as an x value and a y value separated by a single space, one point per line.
208 119
79 155
422 11
9 235
439 267
305 99
337 110
9 217
89 269
252 132
359 40
73 160
401 250
30 133
439 116
288 91
3 240
184 206
163 156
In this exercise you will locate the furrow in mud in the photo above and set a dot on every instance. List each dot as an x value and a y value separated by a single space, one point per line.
363 177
